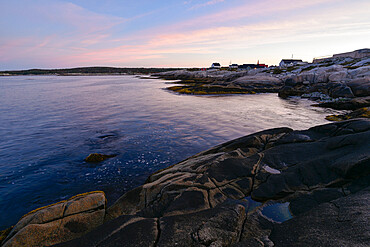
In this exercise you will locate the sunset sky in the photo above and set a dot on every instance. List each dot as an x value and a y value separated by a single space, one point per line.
176 33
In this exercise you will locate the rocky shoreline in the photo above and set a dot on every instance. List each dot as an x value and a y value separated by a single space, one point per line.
278 187
339 83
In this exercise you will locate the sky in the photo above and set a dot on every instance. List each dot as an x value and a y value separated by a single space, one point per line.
176 33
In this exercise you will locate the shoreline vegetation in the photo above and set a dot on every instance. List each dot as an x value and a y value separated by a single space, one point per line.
277 187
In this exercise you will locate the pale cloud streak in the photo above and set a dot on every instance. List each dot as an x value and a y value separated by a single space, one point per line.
201 5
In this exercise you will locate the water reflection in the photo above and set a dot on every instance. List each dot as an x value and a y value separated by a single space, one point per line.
276 211
49 124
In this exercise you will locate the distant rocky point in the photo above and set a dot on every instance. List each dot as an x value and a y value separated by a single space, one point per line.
341 80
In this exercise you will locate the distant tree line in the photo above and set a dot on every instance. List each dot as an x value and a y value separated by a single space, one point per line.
88 70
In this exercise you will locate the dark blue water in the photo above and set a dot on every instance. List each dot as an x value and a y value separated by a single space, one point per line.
49 124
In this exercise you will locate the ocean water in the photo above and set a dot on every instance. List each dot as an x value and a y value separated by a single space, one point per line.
49 124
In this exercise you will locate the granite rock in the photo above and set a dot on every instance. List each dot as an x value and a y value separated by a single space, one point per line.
59 222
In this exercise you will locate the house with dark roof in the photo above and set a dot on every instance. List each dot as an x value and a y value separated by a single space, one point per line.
289 62
216 66
233 66
252 66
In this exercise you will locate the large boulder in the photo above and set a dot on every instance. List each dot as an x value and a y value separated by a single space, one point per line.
360 86
337 90
338 76
59 222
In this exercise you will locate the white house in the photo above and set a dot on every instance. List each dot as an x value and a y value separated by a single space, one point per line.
233 66
216 66
289 62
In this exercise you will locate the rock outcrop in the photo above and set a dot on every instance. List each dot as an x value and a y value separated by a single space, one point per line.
59 222
359 113
278 187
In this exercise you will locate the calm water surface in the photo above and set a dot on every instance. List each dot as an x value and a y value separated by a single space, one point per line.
49 124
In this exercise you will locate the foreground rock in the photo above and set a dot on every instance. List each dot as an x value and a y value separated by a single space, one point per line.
342 222
59 222
236 194
277 187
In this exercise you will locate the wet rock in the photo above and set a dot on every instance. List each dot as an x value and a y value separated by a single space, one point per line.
59 222
96 158
287 91
340 90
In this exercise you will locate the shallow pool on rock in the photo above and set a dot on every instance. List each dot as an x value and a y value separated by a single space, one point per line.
50 124
276 211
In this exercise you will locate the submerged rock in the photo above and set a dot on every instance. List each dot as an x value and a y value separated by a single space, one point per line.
95 158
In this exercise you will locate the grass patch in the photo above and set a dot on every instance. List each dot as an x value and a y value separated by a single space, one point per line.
201 90
308 68
193 69
326 65
290 69
352 67
277 71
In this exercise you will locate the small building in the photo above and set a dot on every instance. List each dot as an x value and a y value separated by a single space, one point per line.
233 66
289 62
252 66
216 66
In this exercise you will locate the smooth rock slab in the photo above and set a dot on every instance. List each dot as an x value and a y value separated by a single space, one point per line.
342 222
130 231
220 226
59 222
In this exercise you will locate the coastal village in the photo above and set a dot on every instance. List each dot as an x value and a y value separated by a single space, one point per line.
284 63
341 81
